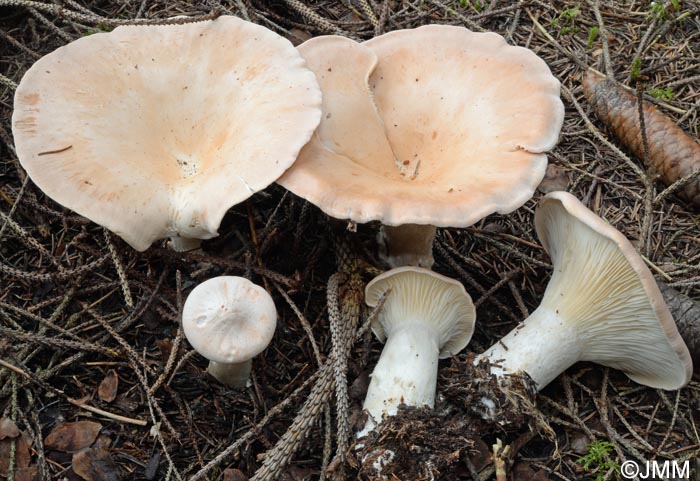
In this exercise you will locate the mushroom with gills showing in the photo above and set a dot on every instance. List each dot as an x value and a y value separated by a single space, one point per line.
156 131
229 320
437 126
601 305
425 317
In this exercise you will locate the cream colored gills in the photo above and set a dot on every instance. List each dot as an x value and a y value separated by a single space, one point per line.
426 317
601 305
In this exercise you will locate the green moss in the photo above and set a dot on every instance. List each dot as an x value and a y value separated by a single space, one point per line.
662 94
598 459
592 35
636 69
566 21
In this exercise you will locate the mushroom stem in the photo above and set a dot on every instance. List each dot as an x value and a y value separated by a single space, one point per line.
543 346
406 372
426 317
407 245
184 244
601 305
232 375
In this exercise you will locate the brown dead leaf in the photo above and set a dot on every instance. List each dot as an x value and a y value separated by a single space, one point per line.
297 36
21 453
72 437
480 454
234 475
95 465
525 472
102 442
554 179
579 443
27 474
295 473
8 429
164 346
108 387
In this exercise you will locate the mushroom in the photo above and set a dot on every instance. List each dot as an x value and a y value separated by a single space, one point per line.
156 131
426 317
229 320
435 126
601 305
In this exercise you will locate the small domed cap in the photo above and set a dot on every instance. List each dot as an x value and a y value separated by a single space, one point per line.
436 125
229 319
156 131
421 295
602 285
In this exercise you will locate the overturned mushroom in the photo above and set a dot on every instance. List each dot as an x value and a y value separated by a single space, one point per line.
601 305
156 131
426 317
229 320
436 126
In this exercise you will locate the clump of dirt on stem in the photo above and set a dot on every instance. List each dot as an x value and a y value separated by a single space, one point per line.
417 443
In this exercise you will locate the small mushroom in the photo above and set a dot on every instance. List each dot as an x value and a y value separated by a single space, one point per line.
426 317
435 126
156 131
229 320
601 305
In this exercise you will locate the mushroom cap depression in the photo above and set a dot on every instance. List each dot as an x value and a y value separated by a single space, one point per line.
437 125
601 284
421 295
156 131
229 319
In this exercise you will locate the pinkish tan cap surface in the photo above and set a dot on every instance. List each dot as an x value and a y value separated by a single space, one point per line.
156 131
437 125
602 283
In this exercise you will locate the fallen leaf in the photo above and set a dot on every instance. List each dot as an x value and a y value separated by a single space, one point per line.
579 443
164 346
102 442
108 387
524 472
554 179
234 475
479 454
95 465
27 474
72 437
152 467
358 388
8 429
297 36
21 453
295 473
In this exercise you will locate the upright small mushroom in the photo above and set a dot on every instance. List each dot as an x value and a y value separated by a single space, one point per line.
601 305
426 317
156 131
435 126
229 320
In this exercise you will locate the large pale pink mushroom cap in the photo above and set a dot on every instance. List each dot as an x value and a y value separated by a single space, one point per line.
437 125
157 131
